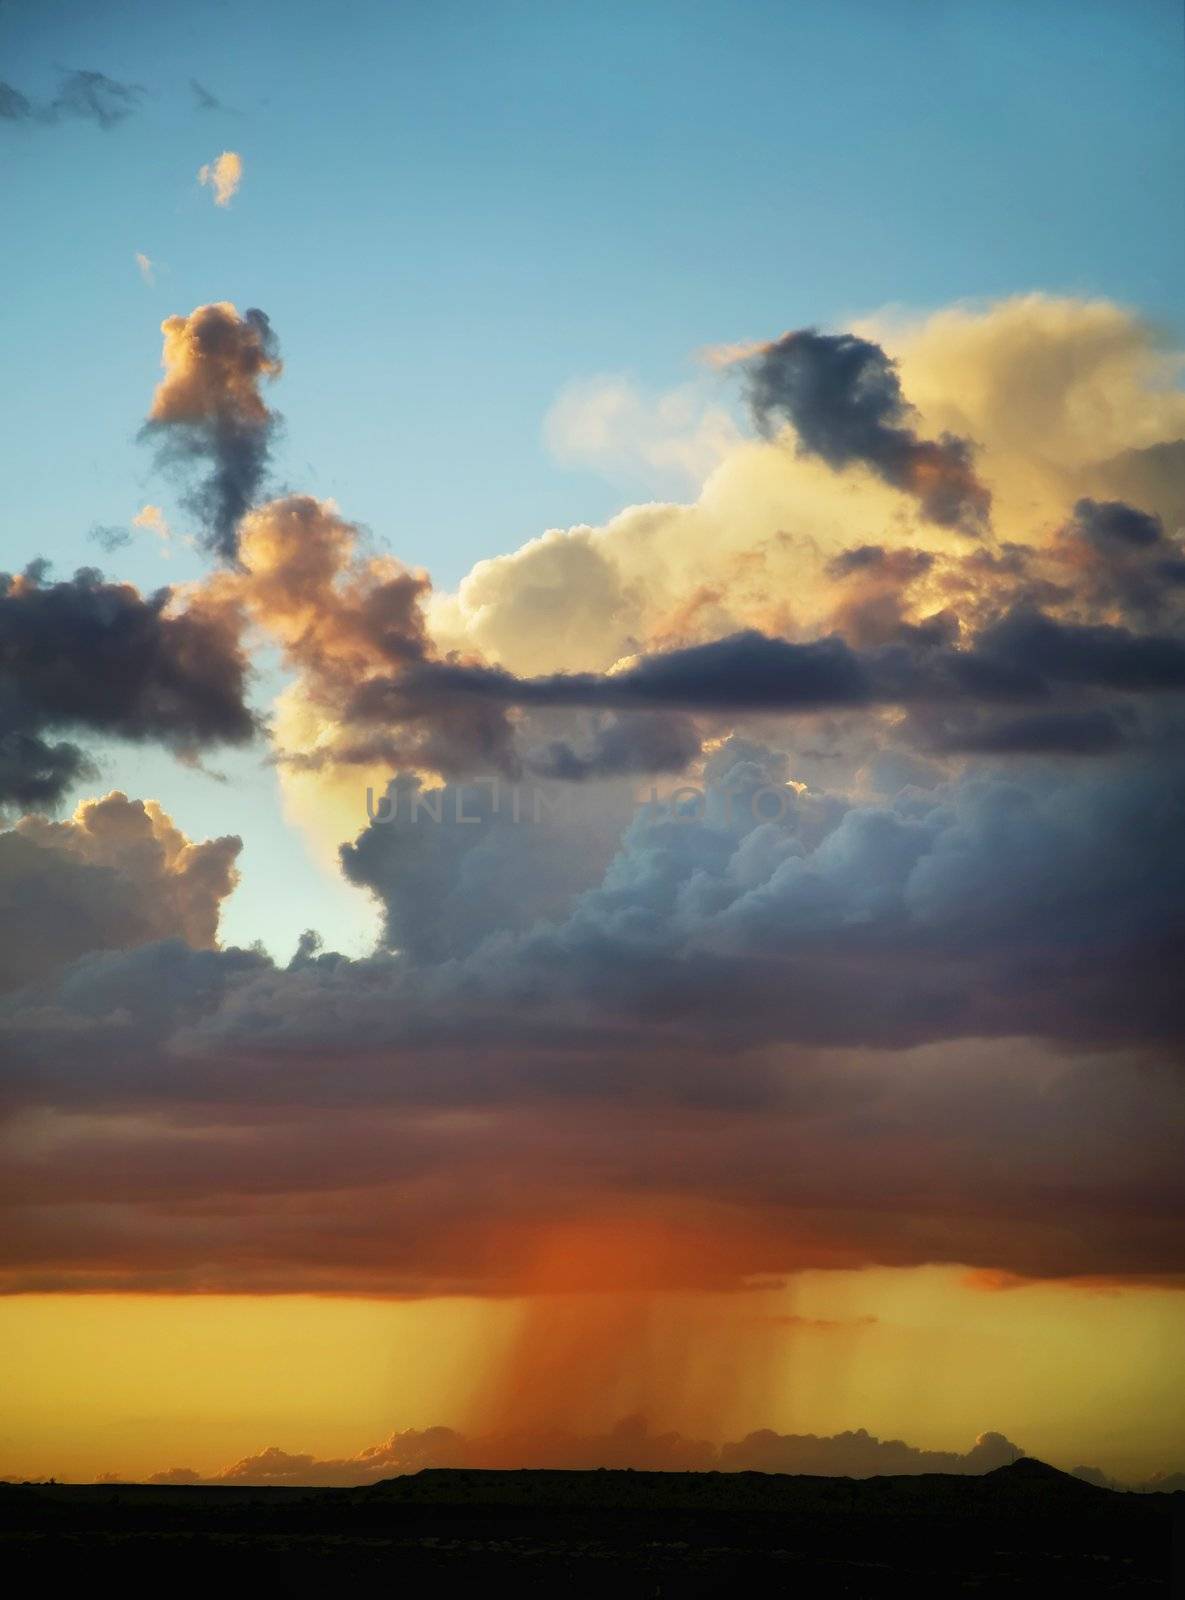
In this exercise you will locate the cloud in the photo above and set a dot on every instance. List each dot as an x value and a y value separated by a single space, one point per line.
842 395
1112 522
153 518
619 746
1153 476
446 885
607 423
1096 386
88 655
208 409
14 106
924 912
1019 657
147 268
83 95
342 615
203 99
784 1044
629 1445
223 175
110 537
1070 733
861 1455
744 672
116 875
36 773
1118 555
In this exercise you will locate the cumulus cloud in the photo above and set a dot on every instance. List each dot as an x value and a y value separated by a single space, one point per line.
344 616
84 654
208 410
926 908
453 865
1088 380
223 175
116 875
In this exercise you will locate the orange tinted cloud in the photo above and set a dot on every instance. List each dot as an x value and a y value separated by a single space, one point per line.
223 175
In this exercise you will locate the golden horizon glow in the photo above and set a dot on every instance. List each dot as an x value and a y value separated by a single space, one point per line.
132 1385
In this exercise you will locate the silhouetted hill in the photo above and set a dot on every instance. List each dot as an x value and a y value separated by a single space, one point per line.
1027 1478
1027 1469
1022 1529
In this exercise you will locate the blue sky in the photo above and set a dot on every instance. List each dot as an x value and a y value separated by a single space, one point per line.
452 210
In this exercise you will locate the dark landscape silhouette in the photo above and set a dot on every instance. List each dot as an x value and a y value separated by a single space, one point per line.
1024 1528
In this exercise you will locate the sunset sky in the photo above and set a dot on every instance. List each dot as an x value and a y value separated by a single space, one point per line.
592 736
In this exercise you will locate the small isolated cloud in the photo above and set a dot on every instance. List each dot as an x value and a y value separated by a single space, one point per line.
223 176
110 537
113 537
203 99
147 268
153 518
15 106
208 408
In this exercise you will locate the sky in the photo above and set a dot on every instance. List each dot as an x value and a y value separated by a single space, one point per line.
545 407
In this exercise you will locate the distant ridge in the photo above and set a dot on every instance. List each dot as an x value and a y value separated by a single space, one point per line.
1030 1467
1027 1470
1023 1482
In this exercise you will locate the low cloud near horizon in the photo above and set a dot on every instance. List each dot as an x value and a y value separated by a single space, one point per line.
629 1444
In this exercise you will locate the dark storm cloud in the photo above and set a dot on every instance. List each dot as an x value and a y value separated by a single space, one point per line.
1108 522
1071 733
702 1026
1120 556
735 932
1022 656
36 773
452 1160
455 865
842 395
901 565
1097 654
746 671
82 95
208 410
89 655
